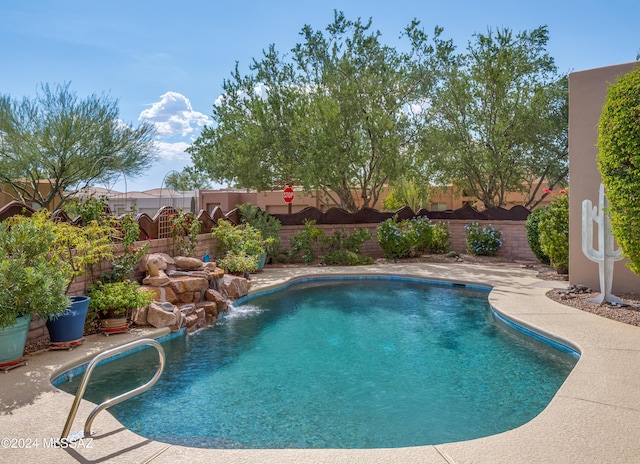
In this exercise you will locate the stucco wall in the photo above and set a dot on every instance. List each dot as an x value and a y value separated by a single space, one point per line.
587 93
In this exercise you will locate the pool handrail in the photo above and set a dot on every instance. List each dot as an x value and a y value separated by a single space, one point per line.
118 399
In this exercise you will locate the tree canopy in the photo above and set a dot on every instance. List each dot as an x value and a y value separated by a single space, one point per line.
500 118
334 116
346 115
55 144
188 179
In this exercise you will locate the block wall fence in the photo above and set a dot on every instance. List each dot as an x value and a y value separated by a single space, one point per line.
156 229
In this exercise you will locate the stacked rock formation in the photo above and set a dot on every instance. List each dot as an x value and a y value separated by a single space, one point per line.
189 292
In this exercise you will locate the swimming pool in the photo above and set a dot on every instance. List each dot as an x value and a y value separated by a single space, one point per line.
359 363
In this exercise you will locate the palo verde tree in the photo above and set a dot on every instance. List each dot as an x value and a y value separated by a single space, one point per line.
188 179
500 117
619 162
55 144
334 116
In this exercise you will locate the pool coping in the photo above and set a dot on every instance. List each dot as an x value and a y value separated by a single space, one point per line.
593 418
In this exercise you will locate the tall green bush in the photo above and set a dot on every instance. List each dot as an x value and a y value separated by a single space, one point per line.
533 234
411 237
554 232
619 162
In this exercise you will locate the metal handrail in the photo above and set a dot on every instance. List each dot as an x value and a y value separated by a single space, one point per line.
118 399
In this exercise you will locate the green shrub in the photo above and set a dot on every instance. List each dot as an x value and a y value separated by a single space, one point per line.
307 241
483 241
238 263
116 298
619 162
440 238
345 258
393 238
352 242
411 237
268 225
554 232
240 240
533 234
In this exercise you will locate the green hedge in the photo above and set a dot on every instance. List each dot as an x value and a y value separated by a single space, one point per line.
619 162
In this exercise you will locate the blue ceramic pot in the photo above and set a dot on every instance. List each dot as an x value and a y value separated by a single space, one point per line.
69 326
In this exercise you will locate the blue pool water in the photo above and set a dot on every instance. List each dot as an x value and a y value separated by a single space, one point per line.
362 363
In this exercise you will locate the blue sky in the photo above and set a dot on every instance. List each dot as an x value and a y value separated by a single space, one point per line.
165 61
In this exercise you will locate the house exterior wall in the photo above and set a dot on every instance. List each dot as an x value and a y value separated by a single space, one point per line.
273 203
587 93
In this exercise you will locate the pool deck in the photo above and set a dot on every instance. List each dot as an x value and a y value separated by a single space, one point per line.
594 417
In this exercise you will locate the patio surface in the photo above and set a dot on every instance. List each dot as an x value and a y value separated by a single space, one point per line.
594 417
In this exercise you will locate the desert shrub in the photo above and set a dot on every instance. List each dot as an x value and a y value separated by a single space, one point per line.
411 237
393 239
440 235
619 162
554 232
345 258
533 234
352 241
267 224
307 241
483 241
344 248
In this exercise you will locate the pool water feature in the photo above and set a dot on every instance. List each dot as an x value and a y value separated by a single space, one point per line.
358 363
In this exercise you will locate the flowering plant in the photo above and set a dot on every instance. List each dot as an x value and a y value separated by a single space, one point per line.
184 232
482 240
123 266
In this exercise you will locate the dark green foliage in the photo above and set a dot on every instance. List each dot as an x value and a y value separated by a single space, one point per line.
31 283
268 225
411 237
306 242
345 258
554 232
533 234
619 162
440 236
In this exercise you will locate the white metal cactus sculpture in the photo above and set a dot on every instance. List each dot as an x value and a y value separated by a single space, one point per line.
605 256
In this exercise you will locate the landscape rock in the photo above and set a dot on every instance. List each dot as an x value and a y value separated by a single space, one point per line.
184 284
139 315
159 317
235 287
184 262
160 261
218 299
163 294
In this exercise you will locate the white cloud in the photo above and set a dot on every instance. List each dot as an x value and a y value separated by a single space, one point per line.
260 90
173 115
173 151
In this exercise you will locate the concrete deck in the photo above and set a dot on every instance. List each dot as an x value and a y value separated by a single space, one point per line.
594 418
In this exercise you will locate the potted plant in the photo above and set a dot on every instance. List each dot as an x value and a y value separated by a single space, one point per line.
78 247
32 281
238 242
114 302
